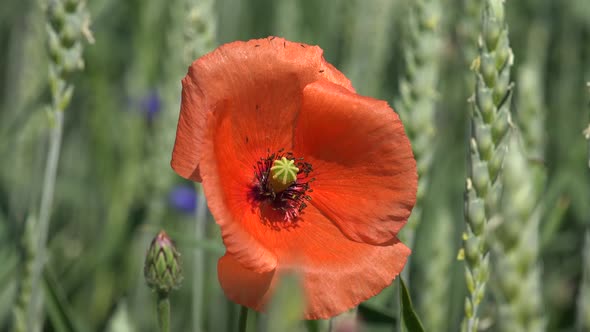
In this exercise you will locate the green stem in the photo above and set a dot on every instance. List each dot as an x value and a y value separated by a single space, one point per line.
44 216
243 319
199 263
65 58
163 312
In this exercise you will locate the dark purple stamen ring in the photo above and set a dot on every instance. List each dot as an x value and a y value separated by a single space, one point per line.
291 201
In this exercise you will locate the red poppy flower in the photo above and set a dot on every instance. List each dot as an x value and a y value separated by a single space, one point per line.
353 175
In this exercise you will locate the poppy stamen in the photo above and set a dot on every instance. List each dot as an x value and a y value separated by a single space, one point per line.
280 181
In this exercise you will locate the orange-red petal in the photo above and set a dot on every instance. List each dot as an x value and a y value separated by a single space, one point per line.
337 274
365 171
256 79
226 168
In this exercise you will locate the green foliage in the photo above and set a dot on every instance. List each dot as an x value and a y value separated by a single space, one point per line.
436 247
583 313
67 25
365 58
286 307
410 318
418 92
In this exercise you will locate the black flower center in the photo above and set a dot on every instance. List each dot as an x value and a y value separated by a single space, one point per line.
290 201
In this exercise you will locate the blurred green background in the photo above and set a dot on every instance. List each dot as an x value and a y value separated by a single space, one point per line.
115 190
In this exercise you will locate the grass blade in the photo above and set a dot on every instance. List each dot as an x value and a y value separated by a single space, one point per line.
408 314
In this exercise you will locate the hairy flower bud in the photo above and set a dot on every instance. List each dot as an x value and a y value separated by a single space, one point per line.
163 269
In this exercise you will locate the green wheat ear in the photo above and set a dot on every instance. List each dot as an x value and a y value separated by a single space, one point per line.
418 90
191 33
23 300
468 27
366 60
515 246
515 242
490 122
67 29
435 291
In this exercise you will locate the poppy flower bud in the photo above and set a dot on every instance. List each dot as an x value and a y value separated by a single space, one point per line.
163 270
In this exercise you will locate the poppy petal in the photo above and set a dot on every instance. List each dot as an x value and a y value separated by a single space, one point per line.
245 286
337 273
226 168
185 155
257 79
365 172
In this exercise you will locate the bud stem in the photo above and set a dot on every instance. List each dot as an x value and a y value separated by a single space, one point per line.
243 319
163 312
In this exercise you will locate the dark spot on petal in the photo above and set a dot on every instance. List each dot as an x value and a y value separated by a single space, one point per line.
272 38
257 107
257 45
321 71
284 44
302 45
247 139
